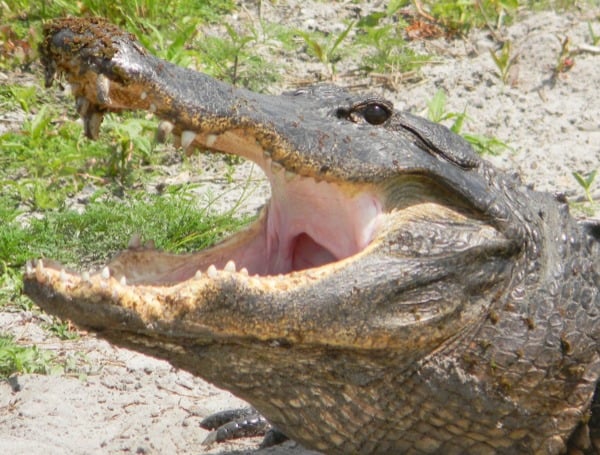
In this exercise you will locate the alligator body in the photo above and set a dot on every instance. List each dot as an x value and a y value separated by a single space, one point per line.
398 294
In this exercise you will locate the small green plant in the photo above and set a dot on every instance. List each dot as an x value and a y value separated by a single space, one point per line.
326 47
460 16
504 61
15 358
595 38
234 60
174 46
437 112
62 330
25 96
564 61
586 181
387 50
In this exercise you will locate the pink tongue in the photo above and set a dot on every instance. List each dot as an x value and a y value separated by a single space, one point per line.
307 253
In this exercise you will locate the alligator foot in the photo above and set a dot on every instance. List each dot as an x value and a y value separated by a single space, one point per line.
234 424
241 423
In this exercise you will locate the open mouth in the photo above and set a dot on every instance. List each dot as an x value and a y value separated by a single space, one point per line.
305 224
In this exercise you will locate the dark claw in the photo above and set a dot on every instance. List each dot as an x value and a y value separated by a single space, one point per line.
234 424
273 437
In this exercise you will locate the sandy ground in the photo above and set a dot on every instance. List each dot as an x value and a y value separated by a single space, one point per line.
130 403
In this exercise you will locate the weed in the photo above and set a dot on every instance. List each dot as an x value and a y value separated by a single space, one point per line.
564 61
233 60
15 358
437 112
595 38
485 145
25 96
387 51
504 61
586 181
63 330
460 16
173 46
326 47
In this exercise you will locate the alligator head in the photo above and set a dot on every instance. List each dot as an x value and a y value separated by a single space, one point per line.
396 295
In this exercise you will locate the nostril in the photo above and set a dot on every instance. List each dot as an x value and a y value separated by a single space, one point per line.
307 253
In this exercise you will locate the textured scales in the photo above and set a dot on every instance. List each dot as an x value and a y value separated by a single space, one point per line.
452 310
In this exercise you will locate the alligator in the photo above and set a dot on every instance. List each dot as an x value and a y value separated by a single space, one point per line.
397 293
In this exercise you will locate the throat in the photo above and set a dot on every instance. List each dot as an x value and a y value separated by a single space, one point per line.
306 253
311 224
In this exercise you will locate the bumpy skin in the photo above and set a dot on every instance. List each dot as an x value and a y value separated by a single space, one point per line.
471 328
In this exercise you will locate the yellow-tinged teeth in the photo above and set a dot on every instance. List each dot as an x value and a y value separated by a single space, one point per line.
187 137
163 130
211 271
102 88
211 139
230 266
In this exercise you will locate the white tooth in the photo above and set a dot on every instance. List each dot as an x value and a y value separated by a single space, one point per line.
102 88
143 95
276 167
62 276
244 271
105 274
163 130
135 241
289 176
82 104
211 139
91 124
229 267
211 271
28 267
85 276
187 137
123 281
39 266
198 275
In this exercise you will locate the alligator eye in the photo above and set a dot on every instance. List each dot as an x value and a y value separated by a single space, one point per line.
376 114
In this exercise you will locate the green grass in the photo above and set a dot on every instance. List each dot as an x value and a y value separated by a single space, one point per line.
15 358
174 221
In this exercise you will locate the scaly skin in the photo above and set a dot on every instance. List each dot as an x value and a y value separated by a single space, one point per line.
460 313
